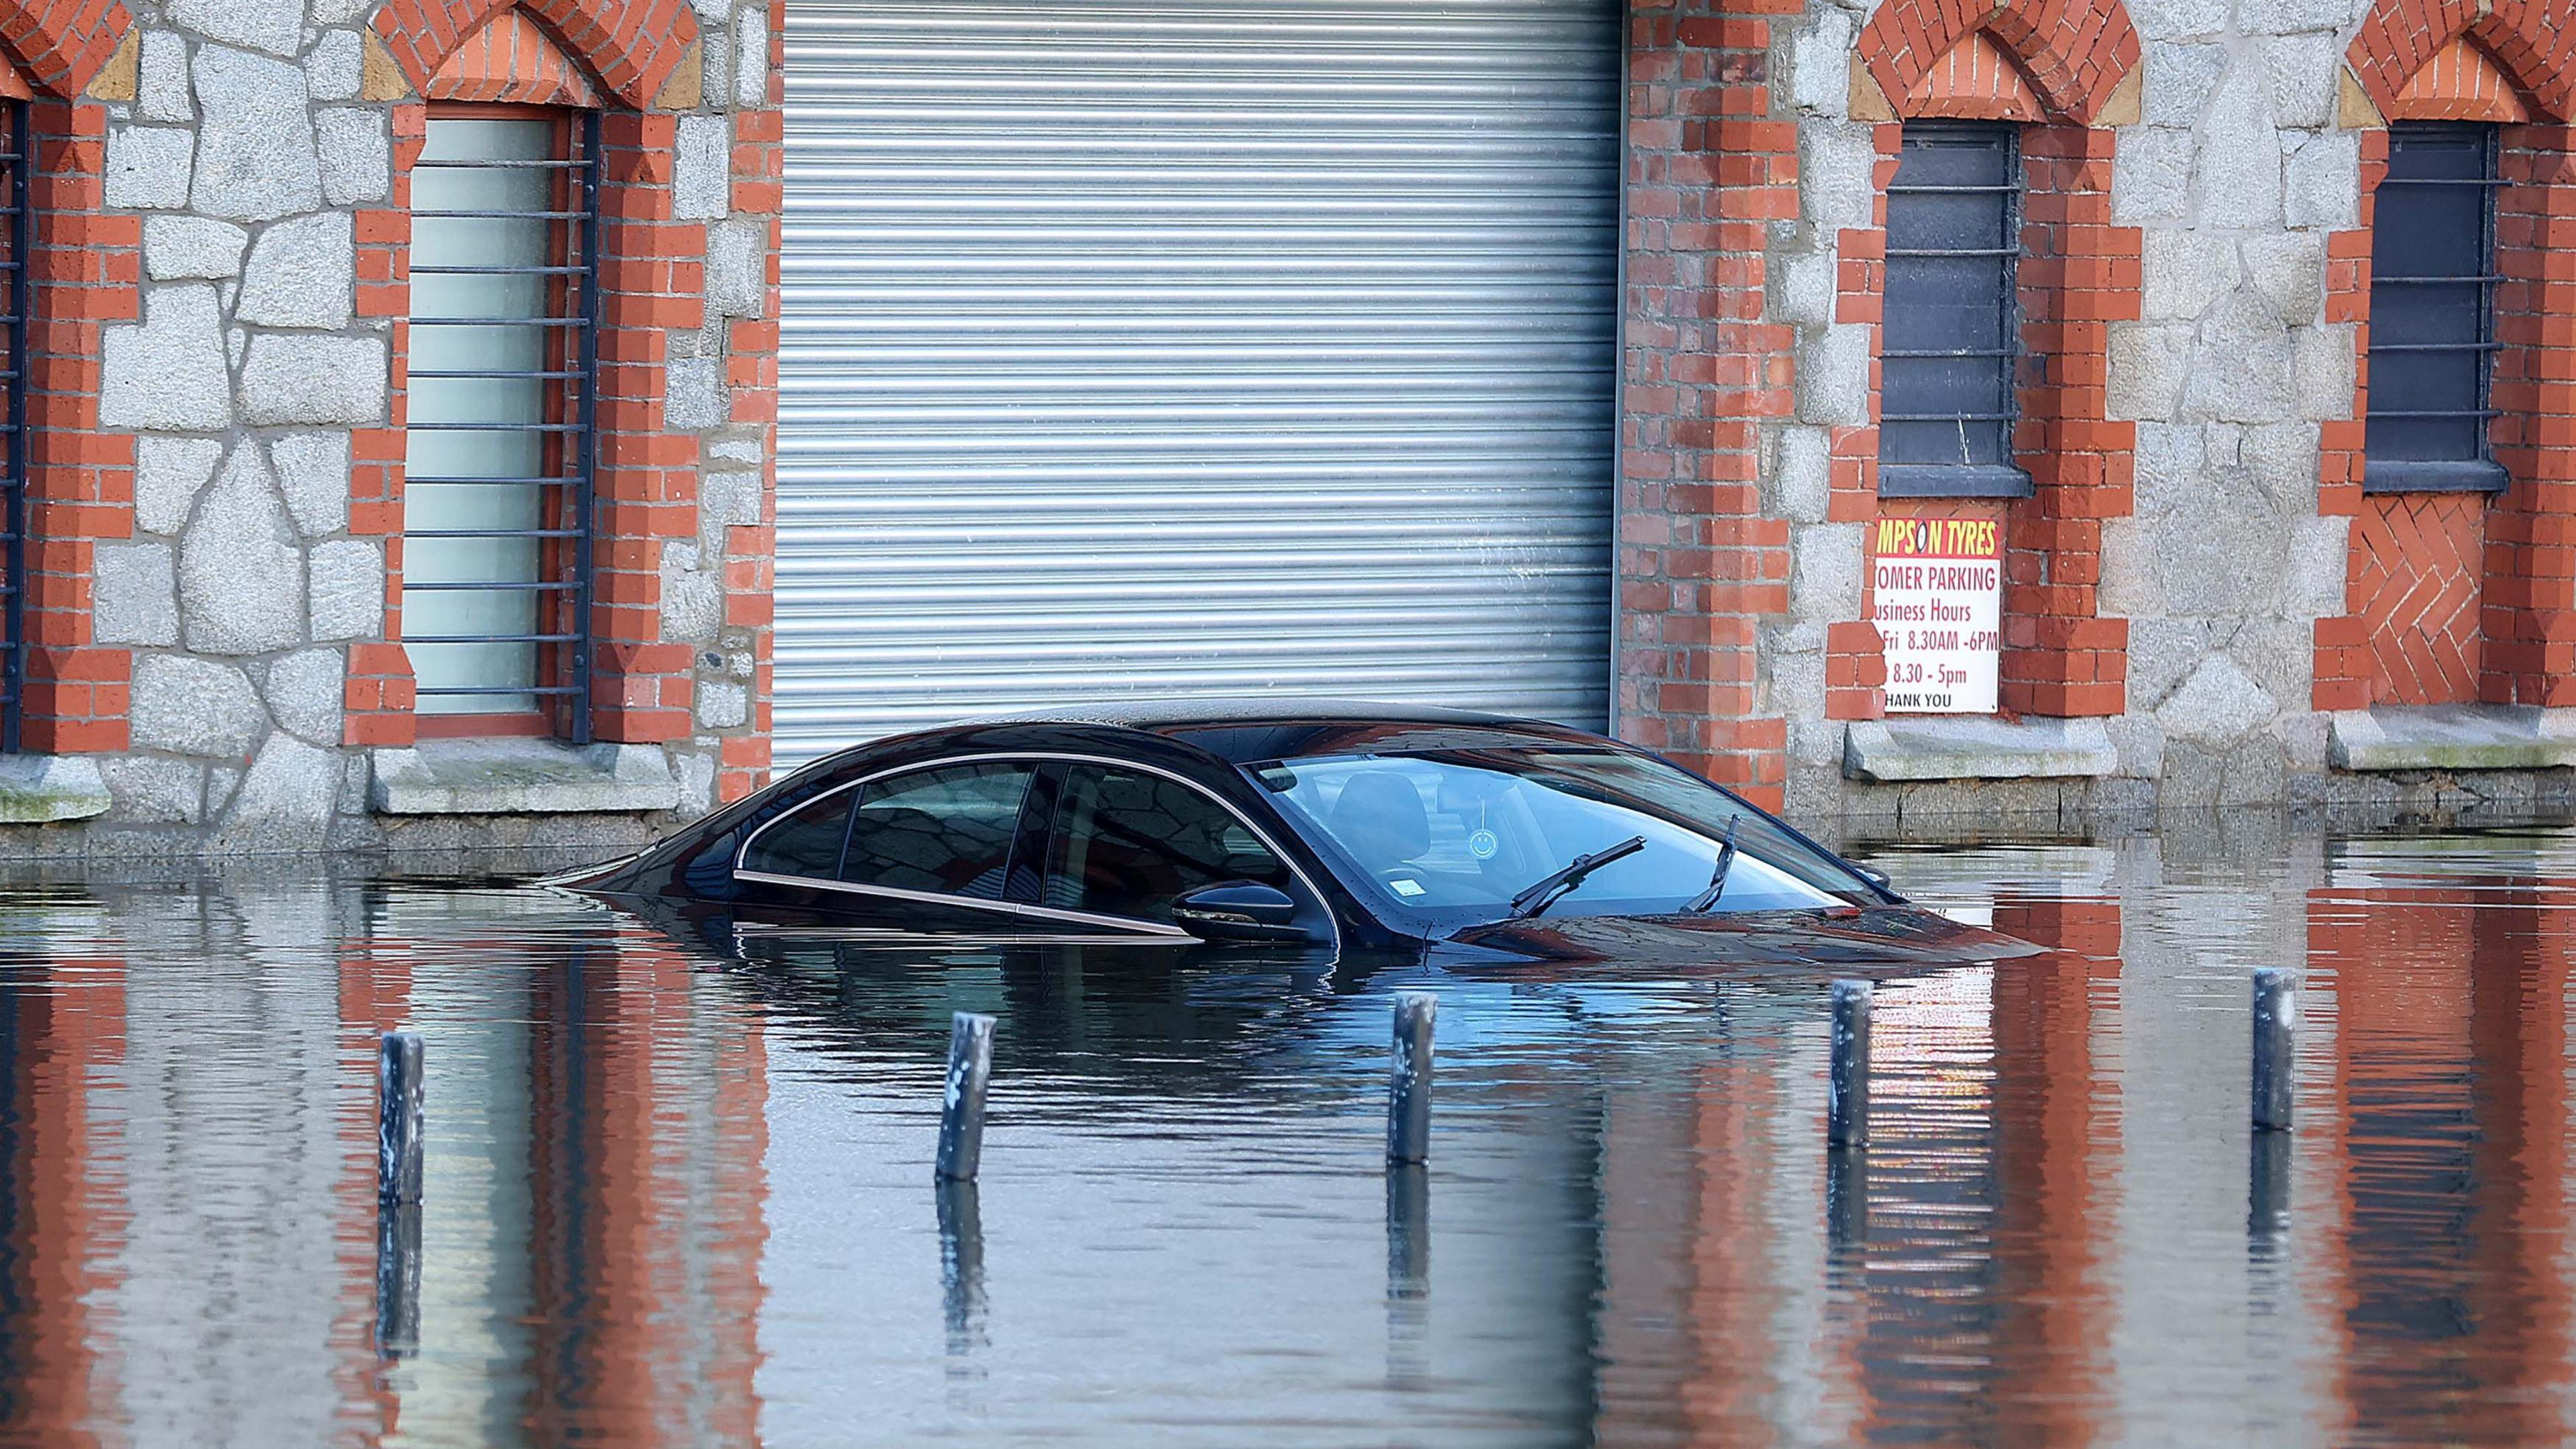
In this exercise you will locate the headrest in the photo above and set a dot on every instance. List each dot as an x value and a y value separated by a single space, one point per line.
1380 818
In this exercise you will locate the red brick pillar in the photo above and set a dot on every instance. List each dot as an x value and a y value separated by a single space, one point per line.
652 280
1701 566
88 272
2529 608
2079 274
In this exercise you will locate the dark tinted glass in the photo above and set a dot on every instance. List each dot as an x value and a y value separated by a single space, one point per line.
807 842
1948 338
1125 843
2431 313
946 830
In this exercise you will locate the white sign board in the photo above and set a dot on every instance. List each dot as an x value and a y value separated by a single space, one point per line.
1937 598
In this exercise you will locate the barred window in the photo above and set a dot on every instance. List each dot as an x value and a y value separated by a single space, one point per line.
503 356
1951 335
2432 313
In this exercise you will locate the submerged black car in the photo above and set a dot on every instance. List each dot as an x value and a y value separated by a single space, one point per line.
1337 827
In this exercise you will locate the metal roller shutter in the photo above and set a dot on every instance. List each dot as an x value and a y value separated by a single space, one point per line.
1190 347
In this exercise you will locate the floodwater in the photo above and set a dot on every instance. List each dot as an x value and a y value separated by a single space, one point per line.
681 1196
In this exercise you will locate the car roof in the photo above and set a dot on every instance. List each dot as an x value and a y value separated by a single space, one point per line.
1263 728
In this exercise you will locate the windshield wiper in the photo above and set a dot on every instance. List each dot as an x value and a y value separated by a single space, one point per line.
1544 892
1717 878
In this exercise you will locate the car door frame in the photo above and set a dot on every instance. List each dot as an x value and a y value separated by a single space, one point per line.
1127 929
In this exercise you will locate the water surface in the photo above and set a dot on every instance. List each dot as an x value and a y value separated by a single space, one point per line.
681 1195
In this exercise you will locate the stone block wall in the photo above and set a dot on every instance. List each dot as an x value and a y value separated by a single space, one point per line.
2199 567
216 462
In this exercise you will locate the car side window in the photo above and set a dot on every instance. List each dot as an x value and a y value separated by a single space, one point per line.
947 831
806 841
1126 842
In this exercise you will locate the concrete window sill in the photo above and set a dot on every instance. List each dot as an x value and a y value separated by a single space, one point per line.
520 777
2451 737
1958 747
40 789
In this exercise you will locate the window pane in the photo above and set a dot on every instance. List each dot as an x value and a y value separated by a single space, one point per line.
806 843
947 830
470 322
1126 843
1951 262
2431 221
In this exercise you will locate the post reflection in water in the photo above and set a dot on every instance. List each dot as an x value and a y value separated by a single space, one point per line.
672 1189
961 1264
398 1279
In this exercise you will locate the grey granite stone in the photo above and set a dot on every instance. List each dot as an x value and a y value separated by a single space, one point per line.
336 67
2178 82
751 59
1925 747
284 801
167 373
168 475
302 273
161 78
2151 175
2323 171
694 397
179 248
357 154
520 776
255 157
35 789
303 690
738 268
313 473
136 597
274 26
241 577
348 590
154 790
2238 169
702 169
195 707
2453 737
293 379
147 167
2218 704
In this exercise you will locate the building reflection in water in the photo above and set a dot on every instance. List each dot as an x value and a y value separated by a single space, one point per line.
675 1199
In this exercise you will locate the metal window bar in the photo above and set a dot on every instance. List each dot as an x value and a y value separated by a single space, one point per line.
20 220
2008 412
562 637
2486 281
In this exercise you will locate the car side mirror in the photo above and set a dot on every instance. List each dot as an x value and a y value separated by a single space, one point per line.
1239 910
1876 877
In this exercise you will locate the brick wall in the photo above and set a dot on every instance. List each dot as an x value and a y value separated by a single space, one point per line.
217 391
1703 562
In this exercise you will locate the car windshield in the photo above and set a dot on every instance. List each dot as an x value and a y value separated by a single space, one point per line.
1456 834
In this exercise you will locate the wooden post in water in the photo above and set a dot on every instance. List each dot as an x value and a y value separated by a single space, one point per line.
2276 1030
961 1112
398 1132
1408 1085
1847 1083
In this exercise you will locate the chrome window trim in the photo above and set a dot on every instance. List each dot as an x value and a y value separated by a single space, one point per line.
1048 913
1008 908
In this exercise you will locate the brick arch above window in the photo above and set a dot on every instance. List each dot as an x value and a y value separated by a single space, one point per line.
1975 81
632 46
2071 55
513 61
2409 57
59 49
